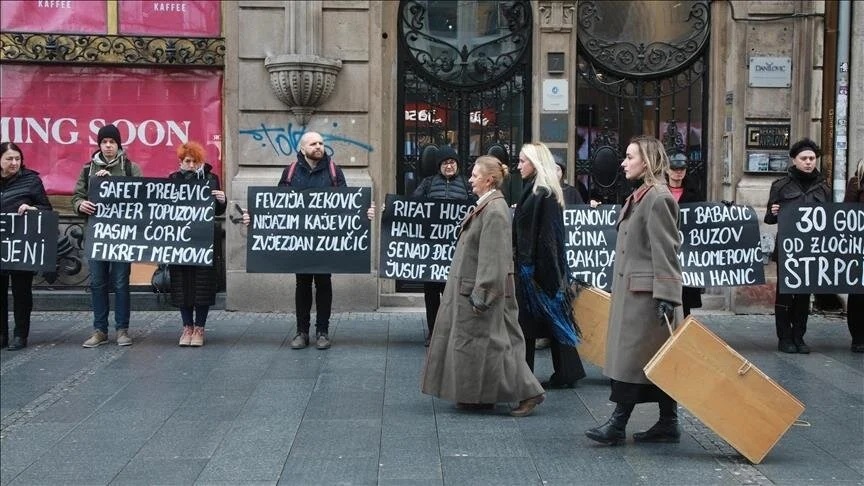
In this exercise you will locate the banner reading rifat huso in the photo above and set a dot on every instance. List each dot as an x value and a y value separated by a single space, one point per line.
54 114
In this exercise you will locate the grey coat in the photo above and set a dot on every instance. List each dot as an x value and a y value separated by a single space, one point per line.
480 357
646 268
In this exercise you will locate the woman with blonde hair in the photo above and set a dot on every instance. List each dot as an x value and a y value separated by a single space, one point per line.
541 267
476 351
646 288
855 304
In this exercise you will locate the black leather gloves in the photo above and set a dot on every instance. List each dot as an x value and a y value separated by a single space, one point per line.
665 310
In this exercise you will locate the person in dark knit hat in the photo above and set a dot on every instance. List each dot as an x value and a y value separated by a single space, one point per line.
448 184
109 161
802 184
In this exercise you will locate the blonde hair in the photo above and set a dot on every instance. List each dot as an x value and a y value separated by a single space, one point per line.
544 167
859 174
651 152
491 166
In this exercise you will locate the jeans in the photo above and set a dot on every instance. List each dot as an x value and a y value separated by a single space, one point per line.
200 312
323 301
22 293
432 296
103 277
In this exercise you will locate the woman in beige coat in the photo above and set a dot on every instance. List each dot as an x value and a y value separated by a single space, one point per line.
477 352
646 288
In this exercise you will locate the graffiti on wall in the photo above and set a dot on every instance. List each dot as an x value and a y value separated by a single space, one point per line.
285 141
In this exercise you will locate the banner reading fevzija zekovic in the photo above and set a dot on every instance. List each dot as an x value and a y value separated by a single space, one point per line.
141 219
720 245
821 248
28 241
418 238
310 231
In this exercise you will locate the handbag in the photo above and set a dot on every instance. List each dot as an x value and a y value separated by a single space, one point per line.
161 279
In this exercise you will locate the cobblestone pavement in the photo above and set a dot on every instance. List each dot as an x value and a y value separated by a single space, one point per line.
246 409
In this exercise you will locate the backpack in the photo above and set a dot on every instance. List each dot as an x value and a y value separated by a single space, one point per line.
293 167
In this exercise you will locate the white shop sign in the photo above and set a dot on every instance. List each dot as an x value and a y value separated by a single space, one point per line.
770 72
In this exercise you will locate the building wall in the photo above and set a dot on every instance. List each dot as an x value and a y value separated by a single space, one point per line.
362 109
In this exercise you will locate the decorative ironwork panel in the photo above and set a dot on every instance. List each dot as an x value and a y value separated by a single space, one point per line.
112 49
643 39
465 45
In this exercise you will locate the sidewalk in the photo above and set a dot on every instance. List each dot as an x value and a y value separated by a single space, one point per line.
246 409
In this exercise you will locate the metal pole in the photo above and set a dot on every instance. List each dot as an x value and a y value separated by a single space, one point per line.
841 124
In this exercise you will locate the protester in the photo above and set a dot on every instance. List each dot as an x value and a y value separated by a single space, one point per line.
855 302
313 169
572 194
684 190
21 190
193 288
646 288
476 352
110 160
541 267
447 184
802 184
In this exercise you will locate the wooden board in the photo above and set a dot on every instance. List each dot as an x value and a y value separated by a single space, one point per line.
722 389
591 309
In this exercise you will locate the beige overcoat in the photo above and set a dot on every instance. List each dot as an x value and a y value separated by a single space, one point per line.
480 357
646 268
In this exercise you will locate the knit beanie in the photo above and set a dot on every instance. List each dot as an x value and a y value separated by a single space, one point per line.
109 131
446 153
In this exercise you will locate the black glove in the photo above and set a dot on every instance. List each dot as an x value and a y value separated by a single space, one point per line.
728 203
665 310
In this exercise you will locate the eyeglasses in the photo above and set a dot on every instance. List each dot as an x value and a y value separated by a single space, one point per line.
449 162
676 169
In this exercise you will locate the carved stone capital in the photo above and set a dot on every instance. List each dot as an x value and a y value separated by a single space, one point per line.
302 81
556 16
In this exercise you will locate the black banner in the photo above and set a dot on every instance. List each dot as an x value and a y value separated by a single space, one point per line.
311 231
821 248
29 241
142 219
589 243
720 246
418 237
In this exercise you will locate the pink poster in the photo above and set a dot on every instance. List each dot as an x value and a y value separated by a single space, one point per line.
54 113
188 18
55 16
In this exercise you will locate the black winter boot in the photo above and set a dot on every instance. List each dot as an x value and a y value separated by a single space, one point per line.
612 432
666 429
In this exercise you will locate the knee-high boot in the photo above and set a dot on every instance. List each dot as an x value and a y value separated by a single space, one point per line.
666 428
613 431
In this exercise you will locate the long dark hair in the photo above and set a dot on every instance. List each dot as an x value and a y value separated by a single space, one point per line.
11 146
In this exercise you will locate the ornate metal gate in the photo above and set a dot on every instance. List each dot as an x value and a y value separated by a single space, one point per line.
640 71
464 81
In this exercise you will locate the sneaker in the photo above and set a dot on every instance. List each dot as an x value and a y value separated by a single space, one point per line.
123 338
300 341
97 339
197 337
186 337
323 342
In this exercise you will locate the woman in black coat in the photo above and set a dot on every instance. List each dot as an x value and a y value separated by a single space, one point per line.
541 268
684 190
193 288
802 184
21 190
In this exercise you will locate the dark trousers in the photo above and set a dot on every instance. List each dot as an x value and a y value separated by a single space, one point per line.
22 293
323 301
432 295
855 317
194 315
790 315
566 363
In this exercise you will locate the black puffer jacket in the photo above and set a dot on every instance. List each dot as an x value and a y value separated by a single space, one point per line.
439 187
24 187
196 285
